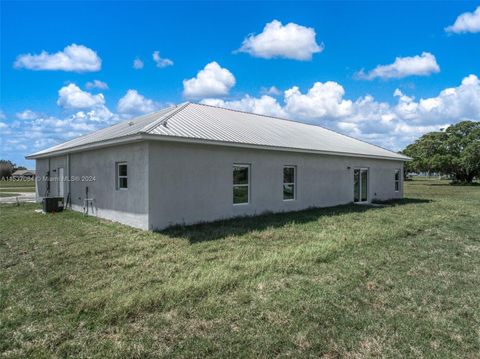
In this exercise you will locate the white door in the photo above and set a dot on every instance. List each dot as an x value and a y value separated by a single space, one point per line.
360 185
61 186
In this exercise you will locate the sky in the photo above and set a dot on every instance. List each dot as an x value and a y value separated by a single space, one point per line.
383 72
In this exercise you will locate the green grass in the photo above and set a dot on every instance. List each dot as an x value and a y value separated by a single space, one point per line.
4 194
21 186
351 281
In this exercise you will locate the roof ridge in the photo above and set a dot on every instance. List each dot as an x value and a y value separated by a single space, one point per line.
299 122
176 109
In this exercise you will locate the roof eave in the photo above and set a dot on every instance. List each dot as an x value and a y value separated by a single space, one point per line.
265 147
89 146
145 136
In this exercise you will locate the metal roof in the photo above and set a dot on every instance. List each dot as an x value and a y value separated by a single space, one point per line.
192 122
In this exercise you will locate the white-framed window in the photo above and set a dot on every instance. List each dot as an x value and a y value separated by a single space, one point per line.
289 179
122 175
241 184
397 180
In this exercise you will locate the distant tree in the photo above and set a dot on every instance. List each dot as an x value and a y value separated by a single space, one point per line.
6 168
19 168
454 152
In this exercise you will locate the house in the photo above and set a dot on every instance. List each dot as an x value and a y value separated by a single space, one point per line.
195 163
23 174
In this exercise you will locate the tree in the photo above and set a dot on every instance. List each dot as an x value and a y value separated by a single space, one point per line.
454 152
6 168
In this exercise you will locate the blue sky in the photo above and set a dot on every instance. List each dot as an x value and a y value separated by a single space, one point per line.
383 72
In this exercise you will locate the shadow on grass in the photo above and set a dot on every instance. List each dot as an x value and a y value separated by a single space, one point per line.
241 225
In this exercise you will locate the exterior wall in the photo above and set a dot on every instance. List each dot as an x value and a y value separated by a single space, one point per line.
178 183
43 166
193 183
96 169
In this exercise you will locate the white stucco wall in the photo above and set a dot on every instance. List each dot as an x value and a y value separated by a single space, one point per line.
193 183
178 183
125 206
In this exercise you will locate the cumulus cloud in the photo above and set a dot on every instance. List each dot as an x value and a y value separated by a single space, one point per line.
452 104
134 103
291 41
322 100
2 115
420 65
466 22
72 97
212 81
271 91
389 125
137 64
27 115
161 62
96 84
77 58
265 105
42 131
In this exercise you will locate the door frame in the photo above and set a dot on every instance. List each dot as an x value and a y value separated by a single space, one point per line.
61 182
360 185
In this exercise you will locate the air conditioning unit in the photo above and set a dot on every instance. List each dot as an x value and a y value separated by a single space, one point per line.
53 204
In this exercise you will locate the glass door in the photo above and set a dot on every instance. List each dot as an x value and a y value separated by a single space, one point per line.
360 185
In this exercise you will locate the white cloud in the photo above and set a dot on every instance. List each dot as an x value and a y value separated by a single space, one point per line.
96 84
389 125
27 115
420 65
137 64
271 91
466 22
265 105
291 41
30 135
76 58
134 103
161 62
72 97
212 81
2 115
322 100
452 104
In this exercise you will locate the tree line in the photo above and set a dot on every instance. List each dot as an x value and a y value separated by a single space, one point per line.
454 151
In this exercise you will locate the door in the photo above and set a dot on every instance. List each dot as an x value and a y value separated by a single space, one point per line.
61 186
360 185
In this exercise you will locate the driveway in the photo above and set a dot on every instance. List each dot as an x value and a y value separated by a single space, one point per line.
22 197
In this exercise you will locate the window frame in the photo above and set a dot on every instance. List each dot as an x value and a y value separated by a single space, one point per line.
294 183
397 182
248 167
118 176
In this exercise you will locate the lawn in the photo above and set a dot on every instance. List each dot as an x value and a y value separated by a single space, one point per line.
17 185
351 281
5 194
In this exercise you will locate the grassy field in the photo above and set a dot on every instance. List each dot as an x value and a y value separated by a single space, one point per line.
350 281
8 194
20 186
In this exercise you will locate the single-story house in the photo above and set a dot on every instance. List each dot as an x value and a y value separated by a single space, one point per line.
23 174
194 163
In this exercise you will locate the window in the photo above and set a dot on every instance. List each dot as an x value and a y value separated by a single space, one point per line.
397 180
241 184
122 180
289 183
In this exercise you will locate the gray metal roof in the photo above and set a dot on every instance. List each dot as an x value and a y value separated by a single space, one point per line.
202 123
